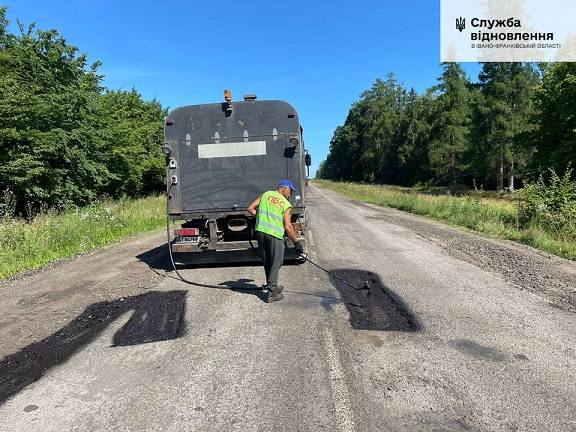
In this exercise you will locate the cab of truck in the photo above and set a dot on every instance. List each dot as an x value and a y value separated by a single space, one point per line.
219 158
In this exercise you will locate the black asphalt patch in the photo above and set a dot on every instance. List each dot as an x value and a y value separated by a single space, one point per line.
374 306
157 316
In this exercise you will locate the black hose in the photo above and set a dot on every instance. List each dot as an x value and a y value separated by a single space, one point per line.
306 259
232 287
182 278
331 273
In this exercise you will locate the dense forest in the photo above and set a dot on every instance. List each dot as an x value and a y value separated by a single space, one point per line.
65 139
516 122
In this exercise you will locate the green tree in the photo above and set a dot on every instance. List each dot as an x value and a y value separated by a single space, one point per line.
555 135
386 102
414 139
451 126
64 139
456 132
131 130
383 139
46 95
505 117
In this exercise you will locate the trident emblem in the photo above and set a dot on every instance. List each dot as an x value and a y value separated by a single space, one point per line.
460 24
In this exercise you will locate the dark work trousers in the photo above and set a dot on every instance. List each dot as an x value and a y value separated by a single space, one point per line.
273 256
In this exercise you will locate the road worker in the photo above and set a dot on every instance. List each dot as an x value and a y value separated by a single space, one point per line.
273 218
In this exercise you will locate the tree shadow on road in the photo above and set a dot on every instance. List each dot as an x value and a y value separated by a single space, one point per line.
157 316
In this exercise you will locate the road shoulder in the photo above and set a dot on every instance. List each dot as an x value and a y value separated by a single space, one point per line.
545 275
37 305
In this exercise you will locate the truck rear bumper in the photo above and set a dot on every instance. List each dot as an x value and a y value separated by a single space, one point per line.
239 251
192 247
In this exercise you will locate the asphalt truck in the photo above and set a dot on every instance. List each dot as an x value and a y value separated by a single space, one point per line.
219 158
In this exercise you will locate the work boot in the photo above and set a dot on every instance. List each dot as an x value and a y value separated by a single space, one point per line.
274 297
276 289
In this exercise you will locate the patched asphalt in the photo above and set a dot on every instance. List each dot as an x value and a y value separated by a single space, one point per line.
441 337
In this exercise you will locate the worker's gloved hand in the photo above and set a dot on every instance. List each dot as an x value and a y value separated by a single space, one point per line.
298 247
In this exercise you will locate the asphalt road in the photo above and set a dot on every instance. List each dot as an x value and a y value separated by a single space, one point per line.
111 341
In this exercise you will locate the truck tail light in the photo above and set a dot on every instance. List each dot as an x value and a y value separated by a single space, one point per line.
186 232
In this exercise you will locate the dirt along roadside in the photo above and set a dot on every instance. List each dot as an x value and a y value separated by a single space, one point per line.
442 339
540 273
91 286
35 306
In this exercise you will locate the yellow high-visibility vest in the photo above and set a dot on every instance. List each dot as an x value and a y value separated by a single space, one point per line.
270 215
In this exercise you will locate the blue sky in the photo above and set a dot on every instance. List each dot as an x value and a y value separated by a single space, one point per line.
317 55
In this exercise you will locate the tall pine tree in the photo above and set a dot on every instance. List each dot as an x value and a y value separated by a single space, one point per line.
505 117
555 137
451 127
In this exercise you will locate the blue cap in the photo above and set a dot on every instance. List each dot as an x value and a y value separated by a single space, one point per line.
287 183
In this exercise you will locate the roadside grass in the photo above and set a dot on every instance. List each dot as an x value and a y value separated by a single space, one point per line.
53 236
479 212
